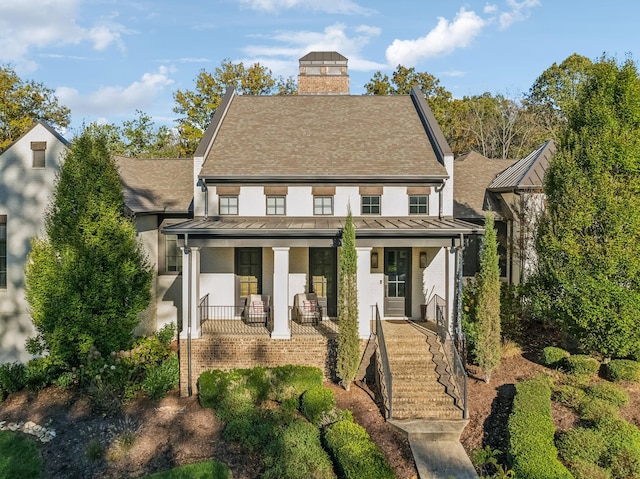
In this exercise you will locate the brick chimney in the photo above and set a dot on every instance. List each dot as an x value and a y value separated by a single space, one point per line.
323 73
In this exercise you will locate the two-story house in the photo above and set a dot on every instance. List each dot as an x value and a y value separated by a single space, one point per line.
274 177
28 170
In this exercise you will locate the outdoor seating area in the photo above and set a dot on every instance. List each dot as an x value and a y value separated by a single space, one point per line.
257 309
306 309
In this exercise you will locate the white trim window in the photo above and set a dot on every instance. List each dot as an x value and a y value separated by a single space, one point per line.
323 205
276 205
228 205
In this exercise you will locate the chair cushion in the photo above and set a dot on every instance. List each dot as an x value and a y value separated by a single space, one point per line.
309 306
257 307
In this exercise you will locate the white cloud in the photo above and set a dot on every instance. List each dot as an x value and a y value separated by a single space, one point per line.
282 59
519 12
116 100
37 24
443 39
327 6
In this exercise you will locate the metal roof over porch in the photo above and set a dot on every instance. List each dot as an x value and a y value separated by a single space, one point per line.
322 228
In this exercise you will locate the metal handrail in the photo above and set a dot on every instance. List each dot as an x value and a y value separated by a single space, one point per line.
203 308
458 371
384 363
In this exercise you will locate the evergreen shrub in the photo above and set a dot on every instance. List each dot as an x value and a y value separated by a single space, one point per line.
553 357
532 452
316 403
622 370
581 364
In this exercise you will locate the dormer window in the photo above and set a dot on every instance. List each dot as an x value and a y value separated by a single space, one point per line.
38 149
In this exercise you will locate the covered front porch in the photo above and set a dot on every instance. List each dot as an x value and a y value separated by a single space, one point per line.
404 265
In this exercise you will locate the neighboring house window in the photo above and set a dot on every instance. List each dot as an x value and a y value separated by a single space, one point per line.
418 204
38 149
228 205
323 205
371 205
173 256
275 205
3 251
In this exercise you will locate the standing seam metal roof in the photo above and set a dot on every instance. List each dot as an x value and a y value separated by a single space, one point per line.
527 173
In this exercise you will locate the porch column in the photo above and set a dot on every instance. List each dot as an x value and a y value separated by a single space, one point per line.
190 291
280 304
364 293
450 278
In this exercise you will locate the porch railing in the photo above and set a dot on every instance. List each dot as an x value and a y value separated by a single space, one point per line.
382 364
206 312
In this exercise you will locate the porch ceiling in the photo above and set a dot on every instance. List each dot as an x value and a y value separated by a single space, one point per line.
328 227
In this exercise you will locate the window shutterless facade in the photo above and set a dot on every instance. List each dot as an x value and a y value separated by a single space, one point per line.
371 205
418 205
276 205
38 149
323 205
173 255
3 252
228 205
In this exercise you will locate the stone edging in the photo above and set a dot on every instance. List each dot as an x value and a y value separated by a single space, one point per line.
40 432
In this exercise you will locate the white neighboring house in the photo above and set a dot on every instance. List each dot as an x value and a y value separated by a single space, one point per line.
28 170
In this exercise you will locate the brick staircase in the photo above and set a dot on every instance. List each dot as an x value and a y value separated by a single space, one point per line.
422 387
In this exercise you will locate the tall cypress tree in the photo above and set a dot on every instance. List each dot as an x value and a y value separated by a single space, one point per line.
89 277
588 248
487 350
348 340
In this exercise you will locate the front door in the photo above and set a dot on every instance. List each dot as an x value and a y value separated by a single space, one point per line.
323 266
248 273
397 274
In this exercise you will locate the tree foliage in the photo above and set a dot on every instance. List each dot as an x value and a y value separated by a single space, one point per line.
487 348
139 138
588 248
348 339
23 103
88 278
197 106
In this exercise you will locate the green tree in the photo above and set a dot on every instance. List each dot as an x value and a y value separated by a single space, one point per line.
348 338
22 103
555 92
88 278
588 248
197 106
487 348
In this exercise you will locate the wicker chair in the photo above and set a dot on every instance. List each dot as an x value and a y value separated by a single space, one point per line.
257 308
306 309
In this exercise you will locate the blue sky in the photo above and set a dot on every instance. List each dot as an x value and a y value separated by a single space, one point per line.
105 59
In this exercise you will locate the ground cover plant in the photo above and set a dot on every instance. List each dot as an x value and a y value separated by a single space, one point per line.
19 456
290 418
199 470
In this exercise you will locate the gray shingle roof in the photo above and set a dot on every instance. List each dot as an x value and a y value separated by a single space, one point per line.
323 56
157 185
473 173
527 173
319 136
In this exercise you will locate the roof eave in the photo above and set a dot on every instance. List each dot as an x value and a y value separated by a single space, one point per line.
315 179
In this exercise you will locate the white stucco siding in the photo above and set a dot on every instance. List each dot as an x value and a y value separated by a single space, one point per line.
394 201
433 276
344 196
252 201
447 193
299 201
25 193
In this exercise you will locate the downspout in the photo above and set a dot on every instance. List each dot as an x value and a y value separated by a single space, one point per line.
187 251
439 190
203 185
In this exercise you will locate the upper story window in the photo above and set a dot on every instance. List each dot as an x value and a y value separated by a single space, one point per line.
276 205
228 205
418 204
3 252
323 205
370 204
38 149
173 256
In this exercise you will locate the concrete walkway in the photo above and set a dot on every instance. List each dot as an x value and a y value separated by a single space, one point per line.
436 448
